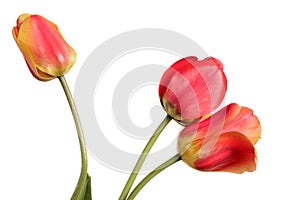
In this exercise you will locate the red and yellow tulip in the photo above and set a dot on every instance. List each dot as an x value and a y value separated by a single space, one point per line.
223 142
46 53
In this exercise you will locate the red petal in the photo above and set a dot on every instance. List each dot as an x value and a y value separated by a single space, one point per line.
170 72
233 152
243 121
232 118
51 48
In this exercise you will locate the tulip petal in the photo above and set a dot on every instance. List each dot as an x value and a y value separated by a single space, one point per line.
233 152
232 118
242 119
171 71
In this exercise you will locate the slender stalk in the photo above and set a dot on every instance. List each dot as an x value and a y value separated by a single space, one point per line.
143 156
152 174
84 163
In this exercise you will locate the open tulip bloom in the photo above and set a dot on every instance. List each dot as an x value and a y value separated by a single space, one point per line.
222 142
190 91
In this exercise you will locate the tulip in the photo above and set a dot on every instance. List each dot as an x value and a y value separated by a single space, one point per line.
192 88
46 53
223 142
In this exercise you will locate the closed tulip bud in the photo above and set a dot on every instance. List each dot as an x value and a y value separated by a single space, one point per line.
223 142
192 88
46 53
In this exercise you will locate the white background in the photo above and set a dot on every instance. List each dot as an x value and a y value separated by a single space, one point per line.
258 43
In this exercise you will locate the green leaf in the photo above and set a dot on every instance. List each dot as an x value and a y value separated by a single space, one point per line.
88 189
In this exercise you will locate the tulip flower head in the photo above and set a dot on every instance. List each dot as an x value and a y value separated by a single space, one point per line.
192 88
46 53
223 142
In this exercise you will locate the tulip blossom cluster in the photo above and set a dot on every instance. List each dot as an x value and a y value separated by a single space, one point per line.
190 91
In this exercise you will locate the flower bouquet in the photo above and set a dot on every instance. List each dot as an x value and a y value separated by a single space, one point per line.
190 91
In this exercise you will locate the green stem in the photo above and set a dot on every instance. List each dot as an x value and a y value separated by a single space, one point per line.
143 156
77 194
152 174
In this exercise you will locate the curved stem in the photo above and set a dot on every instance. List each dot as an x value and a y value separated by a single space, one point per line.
84 164
152 174
143 156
